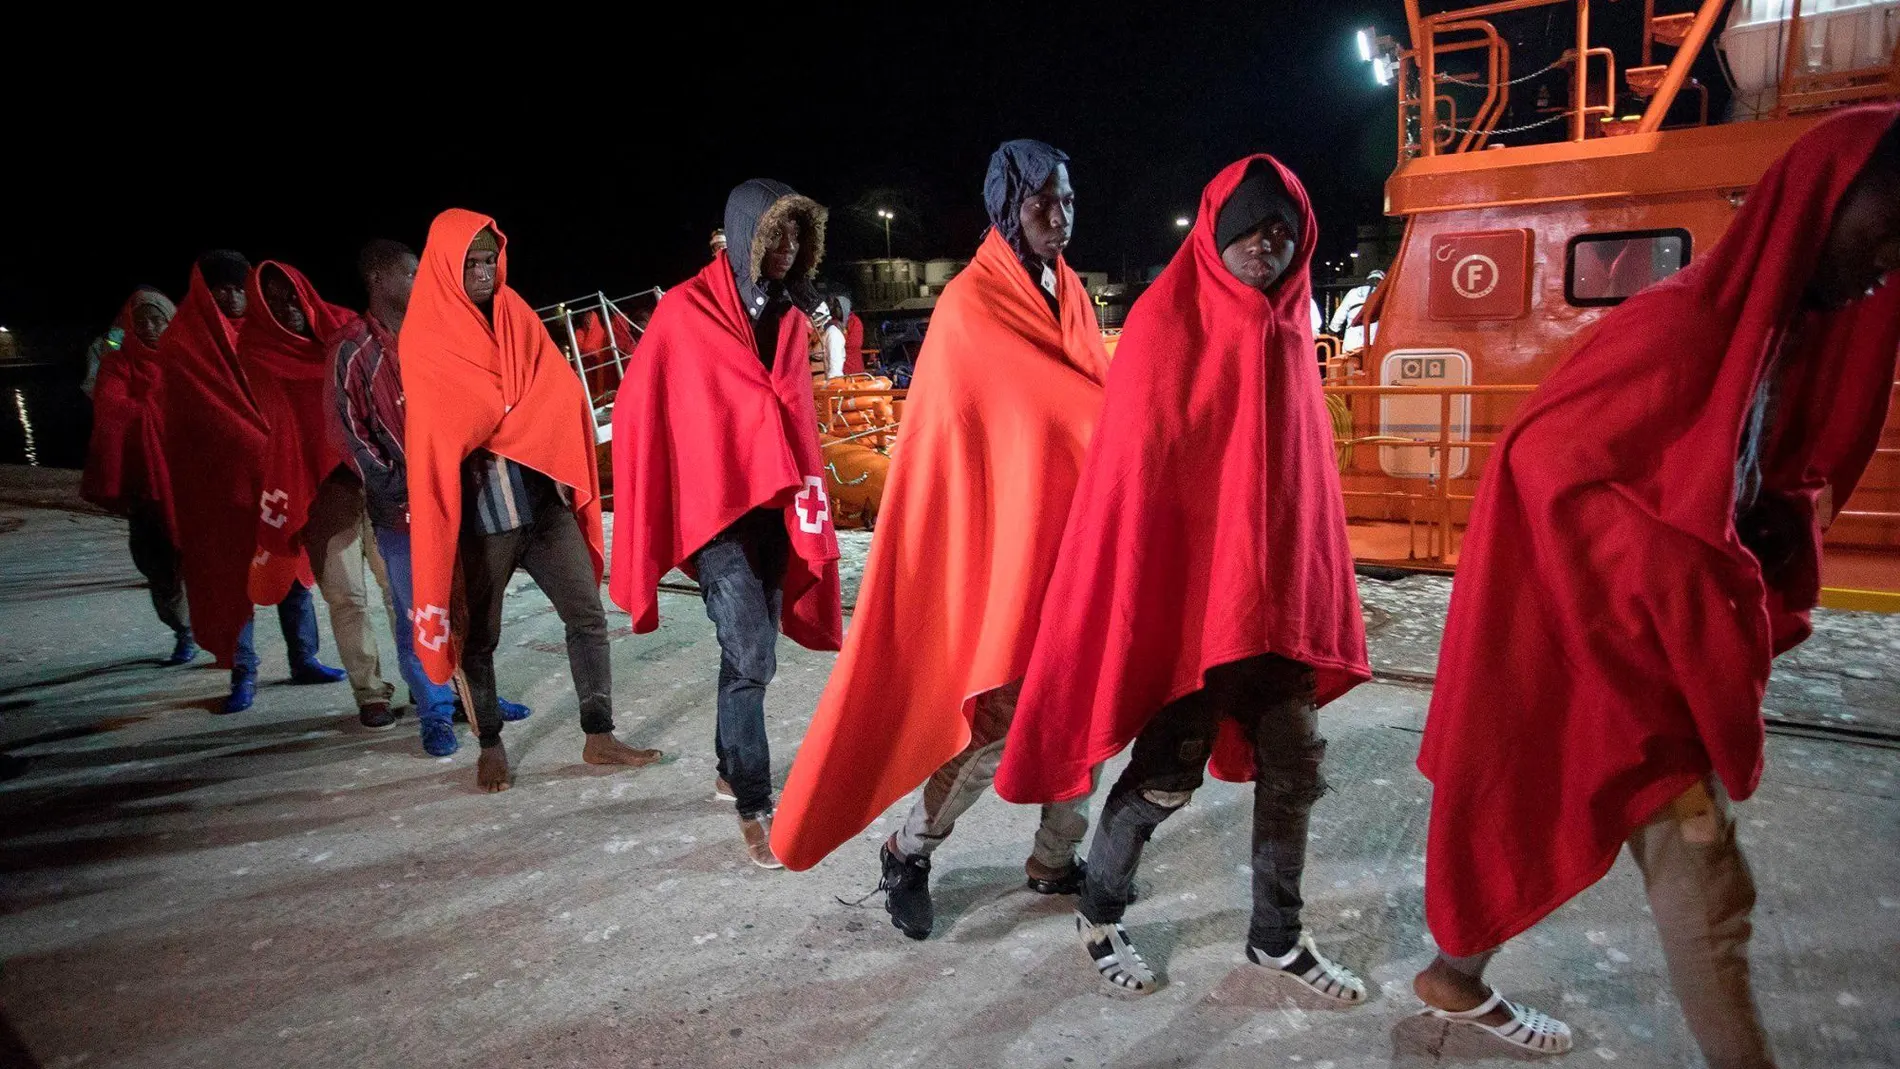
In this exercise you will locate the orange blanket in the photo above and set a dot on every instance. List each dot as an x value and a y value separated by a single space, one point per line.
471 384
995 427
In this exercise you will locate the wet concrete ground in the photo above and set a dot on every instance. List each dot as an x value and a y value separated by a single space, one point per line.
284 889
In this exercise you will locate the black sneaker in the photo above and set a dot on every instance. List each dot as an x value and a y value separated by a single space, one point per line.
1062 883
376 716
906 884
1067 883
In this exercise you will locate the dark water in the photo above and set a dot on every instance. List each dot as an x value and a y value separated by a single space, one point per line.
44 419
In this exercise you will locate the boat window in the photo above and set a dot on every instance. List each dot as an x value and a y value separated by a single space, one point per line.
1602 269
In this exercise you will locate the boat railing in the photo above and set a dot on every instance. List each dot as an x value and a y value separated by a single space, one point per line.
1430 123
602 367
1433 511
1890 453
1806 84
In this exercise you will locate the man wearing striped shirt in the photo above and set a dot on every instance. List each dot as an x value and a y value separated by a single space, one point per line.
370 409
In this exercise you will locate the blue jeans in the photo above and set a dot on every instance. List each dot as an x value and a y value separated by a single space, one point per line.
740 572
297 615
434 701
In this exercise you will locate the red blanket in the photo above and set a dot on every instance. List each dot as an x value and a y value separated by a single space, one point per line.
469 383
995 428
703 434
288 374
595 350
213 436
854 343
124 465
1208 526
1609 637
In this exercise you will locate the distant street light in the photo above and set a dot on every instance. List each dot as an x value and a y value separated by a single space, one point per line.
887 217
1183 222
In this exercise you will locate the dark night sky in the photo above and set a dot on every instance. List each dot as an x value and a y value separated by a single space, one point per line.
606 152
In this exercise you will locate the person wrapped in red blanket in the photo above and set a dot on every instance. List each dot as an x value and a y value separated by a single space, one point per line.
996 425
1203 604
125 468
499 445
717 471
213 438
1645 541
311 505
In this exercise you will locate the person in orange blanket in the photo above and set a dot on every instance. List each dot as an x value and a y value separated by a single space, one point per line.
312 503
1202 604
502 475
213 436
717 471
996 424
1668 487
125 468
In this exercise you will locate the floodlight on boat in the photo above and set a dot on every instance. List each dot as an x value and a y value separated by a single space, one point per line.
1366 37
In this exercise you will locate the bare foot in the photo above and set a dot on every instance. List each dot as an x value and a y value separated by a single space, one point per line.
604 749
1445 988
491 770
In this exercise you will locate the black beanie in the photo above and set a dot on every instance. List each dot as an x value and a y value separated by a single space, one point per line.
1260 197
222 267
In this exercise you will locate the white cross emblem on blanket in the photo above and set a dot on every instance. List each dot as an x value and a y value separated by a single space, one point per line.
812 520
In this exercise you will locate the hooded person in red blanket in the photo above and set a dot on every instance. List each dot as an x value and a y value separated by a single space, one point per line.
996 425
499 447
312 502
717 471
1203 603
1667 487
125 469
213 437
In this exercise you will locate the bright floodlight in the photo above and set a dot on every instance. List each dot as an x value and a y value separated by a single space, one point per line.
882 214
1382 71
1365 45
1182 221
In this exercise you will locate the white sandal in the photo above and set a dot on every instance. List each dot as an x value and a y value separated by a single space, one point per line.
1321 974
1115 958
1528 1029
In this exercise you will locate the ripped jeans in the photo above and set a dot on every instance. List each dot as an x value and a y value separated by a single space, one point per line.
1272 700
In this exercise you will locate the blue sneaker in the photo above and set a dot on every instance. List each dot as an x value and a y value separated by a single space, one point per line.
438 738
510 711
183 652
243 694
314 671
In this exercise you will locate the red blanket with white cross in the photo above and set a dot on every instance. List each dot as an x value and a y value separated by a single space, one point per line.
703 434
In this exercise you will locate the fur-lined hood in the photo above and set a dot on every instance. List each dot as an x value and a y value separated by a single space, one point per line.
755 212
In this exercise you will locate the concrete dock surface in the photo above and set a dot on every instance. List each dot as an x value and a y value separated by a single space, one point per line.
282 888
